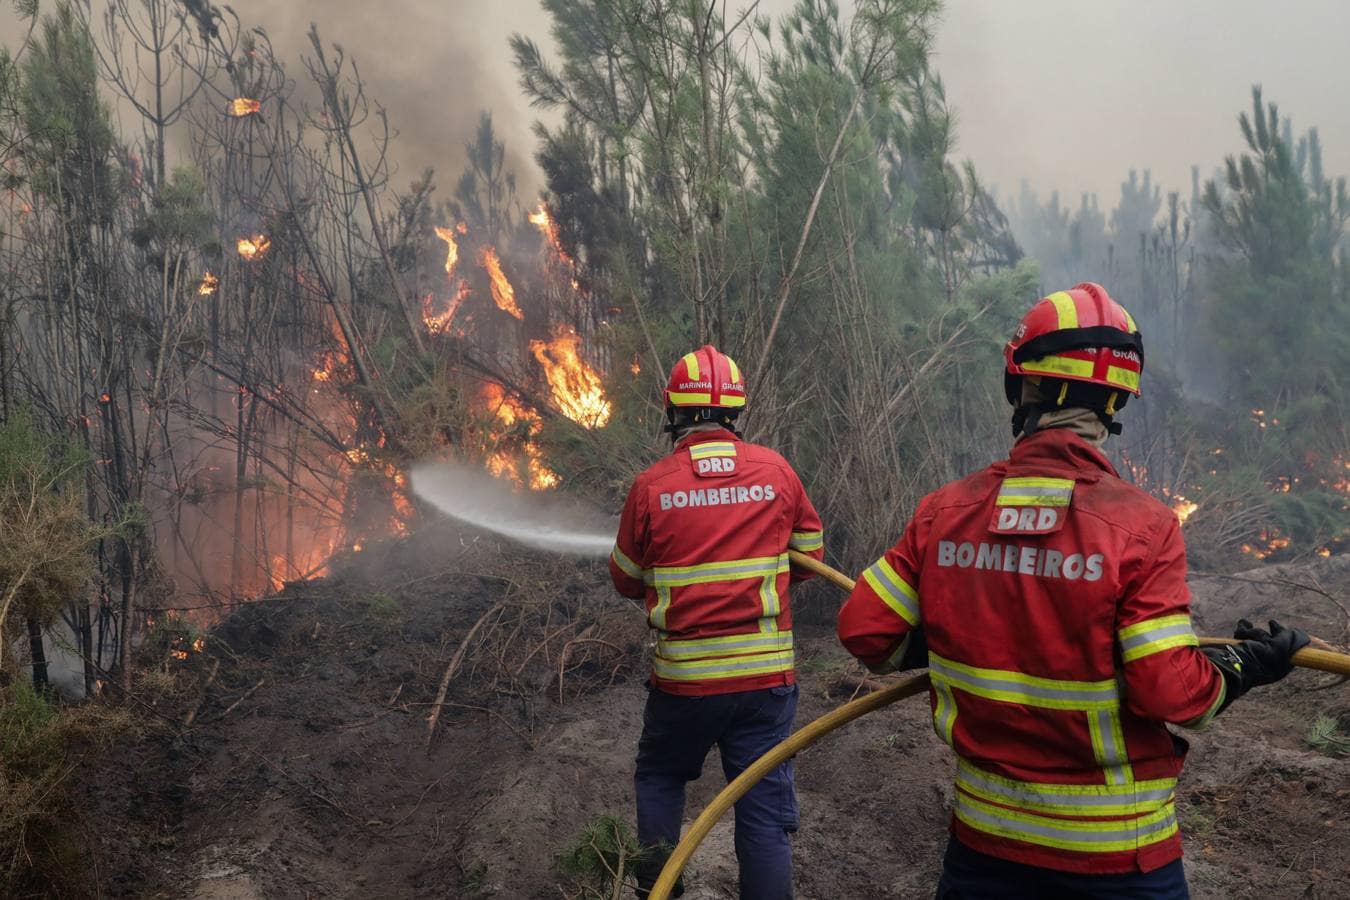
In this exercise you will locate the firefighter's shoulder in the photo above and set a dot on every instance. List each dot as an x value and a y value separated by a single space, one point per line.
1124 505
975 488
758 453
665 467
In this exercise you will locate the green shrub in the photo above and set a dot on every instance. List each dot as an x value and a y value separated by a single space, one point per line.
600 858
41 746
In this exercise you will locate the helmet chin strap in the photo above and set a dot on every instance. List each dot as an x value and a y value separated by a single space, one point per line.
680 422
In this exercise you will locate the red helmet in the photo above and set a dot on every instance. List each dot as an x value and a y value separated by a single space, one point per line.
1079 335
706 379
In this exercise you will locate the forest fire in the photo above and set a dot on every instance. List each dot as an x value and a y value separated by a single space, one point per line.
208 285
548 227
503 294
527 467
451 247
254 247
243 106
437 315
575 386
1184 508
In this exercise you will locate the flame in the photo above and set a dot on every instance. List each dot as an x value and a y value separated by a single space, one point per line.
1273 543
548 227
451 248
507 411
251 248
576 387
502 293
439 322
636 367
243 106
1184 508
208 285
199 645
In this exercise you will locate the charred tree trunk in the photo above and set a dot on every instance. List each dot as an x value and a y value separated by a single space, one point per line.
39 655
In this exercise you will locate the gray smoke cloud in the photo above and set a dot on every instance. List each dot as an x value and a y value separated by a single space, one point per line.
1069 95
1073 95
434 65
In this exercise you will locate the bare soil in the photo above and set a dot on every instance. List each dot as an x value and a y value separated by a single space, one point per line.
318 782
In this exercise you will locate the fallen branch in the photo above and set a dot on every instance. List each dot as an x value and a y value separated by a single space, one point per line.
249 693
197 707
450 670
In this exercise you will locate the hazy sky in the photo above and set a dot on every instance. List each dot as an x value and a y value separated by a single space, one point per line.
1067 93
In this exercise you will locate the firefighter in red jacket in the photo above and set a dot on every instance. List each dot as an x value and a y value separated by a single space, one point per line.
704 539
1048 599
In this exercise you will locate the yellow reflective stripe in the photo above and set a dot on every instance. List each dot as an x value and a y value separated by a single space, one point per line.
1108 746
1201 722
712 448
894 591
731 401
1032 500
1038 481
1035 491
626 565
1134 799
1155 635
736 372
769 602
691 363
1006 686
1059 365
944 713
725 646
730 667
1129 321
680 398
658 613
806 541
1123 378
1068 834
1065 308
727 570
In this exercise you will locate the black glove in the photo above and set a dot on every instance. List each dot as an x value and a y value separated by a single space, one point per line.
916 654
1262 657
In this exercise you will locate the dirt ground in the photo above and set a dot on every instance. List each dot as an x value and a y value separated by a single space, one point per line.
305 772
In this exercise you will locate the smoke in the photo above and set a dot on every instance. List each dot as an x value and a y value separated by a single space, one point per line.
538 520
1073 95
435 66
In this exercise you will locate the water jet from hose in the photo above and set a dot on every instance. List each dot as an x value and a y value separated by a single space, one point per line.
543 521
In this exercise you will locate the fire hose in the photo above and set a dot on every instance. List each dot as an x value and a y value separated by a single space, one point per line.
1307 658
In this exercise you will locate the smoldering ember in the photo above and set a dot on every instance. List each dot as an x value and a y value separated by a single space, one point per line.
434 436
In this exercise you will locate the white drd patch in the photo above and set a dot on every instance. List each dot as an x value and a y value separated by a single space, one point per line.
716 465
724 496
1036 561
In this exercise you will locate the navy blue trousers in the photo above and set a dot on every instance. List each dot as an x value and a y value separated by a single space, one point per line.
677 733
969 875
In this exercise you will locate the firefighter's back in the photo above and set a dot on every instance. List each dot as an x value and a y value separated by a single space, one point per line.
1022 577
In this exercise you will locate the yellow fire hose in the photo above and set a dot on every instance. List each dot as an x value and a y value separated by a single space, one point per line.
1308 658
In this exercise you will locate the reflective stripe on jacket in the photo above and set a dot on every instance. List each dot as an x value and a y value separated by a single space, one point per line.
704 538
1054 603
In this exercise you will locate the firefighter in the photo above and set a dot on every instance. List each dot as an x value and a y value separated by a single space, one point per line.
704 539
1048 599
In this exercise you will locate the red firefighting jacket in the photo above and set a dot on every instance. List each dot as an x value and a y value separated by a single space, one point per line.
1054 603
704 538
